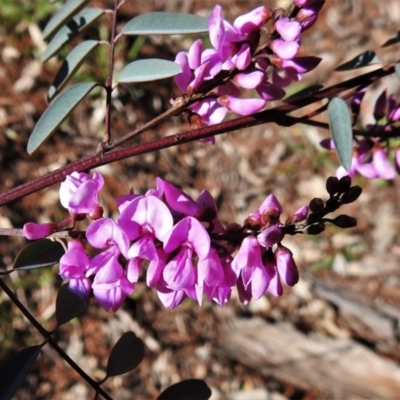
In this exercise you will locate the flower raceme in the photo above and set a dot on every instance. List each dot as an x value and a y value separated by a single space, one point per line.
245 55
187 250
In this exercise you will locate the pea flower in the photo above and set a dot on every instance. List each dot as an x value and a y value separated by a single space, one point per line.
79 191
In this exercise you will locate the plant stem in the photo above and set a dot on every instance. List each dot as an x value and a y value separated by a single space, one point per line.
108 86
277 115
50 340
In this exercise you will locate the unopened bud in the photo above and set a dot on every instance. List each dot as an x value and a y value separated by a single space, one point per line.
253 221
345 221
286 266
299 215
316 205
315 229
344 184
79 217
351 195
34 231
96 213
380 106
332 185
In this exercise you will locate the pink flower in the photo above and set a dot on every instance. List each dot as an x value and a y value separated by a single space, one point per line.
34 231
73 265
286 266
110 285
248 263
105 233
78 193
189 236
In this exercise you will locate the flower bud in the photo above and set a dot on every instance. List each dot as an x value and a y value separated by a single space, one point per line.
315 229
345 221
344 183
351 195
270 211
299 215
286 266
332 185
96 213
316 205
34 231
253 221
380 106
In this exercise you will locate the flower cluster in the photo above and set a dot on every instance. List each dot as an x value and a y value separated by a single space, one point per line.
247 55
371 154
187 250
181 244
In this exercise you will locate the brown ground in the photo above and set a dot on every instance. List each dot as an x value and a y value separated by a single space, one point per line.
335 335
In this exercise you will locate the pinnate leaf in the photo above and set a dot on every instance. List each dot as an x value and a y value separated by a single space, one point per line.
68 305
393 40
70 65
148 70
164 23
70 30
14 370
362 60
39 254
126 355
342 132
190 389
69 9
57 111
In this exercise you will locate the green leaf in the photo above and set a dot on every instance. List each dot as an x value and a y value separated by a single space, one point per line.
68 305
70 65
148 70
342 132
164 23
42 253
70 30
362 60
126 355
14 370
189 389
393 40
57 111
69 9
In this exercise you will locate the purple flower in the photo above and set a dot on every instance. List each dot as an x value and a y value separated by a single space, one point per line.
169 297
34 231
242 106
252 21
210 273
300 215
78 193
110 285
145 219
189 236
73 265
288 29
105 233
382 165
270 236
285 50
286 266
248 263
275 284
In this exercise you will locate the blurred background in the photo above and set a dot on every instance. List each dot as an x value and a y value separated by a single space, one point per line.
333 336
